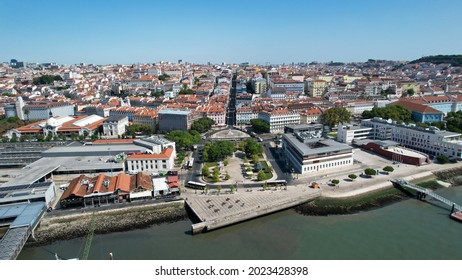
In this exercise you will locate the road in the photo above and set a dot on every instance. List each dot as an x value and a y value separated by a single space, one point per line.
231 112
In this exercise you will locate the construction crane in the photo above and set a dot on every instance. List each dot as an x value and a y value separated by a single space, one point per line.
91 231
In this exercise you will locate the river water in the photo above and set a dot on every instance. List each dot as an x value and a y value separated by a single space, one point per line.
408 229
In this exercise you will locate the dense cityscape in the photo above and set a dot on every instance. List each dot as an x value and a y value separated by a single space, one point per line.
224 142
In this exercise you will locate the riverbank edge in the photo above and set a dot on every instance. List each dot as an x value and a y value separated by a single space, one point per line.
371 198
72 226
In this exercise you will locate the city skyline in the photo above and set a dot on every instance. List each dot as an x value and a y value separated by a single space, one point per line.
259 32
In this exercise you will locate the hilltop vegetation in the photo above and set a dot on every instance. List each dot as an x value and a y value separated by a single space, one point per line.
454 60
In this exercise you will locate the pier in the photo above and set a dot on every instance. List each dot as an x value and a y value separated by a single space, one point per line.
25 218
215 210
422 193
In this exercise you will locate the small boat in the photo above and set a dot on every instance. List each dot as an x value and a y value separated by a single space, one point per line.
457 216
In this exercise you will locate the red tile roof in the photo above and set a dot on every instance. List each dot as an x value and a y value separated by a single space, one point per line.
165 154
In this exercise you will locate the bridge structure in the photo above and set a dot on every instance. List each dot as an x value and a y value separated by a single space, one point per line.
22 219
422 193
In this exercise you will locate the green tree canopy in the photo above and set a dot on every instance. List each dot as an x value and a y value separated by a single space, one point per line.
352 176
442 159
388 168
260 125
184 139
251 147
46 79
217 151
261 176
163 77
396 113
202 125
410 92
454 121
334 116
370 171
135 129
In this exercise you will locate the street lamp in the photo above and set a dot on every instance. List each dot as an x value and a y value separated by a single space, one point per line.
110 160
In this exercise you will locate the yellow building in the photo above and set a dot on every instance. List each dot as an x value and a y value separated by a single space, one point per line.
317 88
408 85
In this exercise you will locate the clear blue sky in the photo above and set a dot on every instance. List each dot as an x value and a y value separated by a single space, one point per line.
256 31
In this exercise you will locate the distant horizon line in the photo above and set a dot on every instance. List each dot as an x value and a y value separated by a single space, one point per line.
232 63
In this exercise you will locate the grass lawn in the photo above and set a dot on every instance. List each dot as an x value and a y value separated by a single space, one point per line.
210 164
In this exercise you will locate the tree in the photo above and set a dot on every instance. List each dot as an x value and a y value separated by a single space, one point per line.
74 136
232 188
261 176
335 182
183 139
49 137
442 159
251 147
217 151
216 174
410 92
260 126
396 113
205 171
255 158
219 190
202 125
370 172
334 116
26 111
226 162
388 168
135 129
163 77
46 79
352 176
14 138
227 177
186 90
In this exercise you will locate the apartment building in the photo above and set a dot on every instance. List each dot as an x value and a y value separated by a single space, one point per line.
279 118
161 162
305 154
429 140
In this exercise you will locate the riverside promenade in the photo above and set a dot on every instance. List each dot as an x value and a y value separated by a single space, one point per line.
219 209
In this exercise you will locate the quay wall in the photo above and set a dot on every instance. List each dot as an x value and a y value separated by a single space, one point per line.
71 226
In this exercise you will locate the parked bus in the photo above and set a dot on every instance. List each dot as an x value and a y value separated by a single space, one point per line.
276 183
190 162
196 185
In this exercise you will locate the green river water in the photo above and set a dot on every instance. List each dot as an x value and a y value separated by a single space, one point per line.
408 229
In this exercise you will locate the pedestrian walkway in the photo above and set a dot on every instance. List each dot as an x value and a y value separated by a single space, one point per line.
217 210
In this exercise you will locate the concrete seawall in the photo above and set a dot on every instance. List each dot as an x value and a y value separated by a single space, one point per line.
108 220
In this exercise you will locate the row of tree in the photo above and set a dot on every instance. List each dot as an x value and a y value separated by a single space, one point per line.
396 113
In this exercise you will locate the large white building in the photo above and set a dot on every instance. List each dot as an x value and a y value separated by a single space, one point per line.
161 162
115 126
305 155
245 114
350 133
429 140
278 119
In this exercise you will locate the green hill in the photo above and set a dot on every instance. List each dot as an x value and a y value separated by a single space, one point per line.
454 60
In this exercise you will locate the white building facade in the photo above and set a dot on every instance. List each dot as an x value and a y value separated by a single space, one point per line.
312 155
278 119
